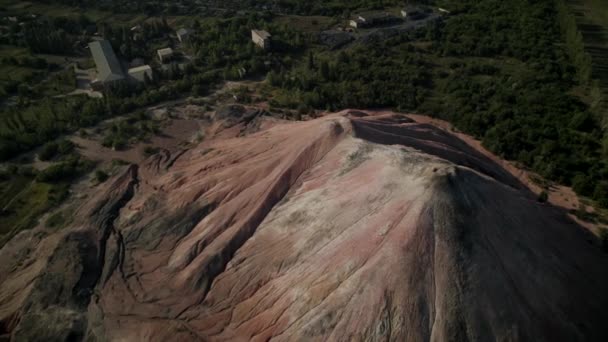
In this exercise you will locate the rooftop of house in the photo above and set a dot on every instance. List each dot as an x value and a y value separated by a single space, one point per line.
108 66
139 69
262 34
165 51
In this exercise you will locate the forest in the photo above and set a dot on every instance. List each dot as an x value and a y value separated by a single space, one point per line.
497 70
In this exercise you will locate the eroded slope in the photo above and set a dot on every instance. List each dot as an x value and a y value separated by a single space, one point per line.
347 227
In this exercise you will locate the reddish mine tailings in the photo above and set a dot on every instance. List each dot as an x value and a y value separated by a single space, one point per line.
350 227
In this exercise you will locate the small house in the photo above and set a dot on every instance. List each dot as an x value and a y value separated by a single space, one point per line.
357 23
165 55
443 10
140 73
261 38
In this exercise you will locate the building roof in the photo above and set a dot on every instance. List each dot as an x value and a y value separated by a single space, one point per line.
138 69
262 34
108 66
139 73
165 52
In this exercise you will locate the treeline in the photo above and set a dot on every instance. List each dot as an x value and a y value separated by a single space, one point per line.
54 35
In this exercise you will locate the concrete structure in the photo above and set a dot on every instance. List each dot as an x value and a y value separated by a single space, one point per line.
372 19
108 67
261 38
165 55
356 23
140 73
183 34
443 10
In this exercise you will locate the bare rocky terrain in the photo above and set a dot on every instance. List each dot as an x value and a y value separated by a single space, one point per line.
348 227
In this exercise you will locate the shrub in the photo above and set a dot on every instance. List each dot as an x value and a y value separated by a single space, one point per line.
604 239
582 184
150 150
52 149
4 175
543 197
26 171
114 142
65 147
119 162
101 176
48 151
66 170
601 194
58 194
58 220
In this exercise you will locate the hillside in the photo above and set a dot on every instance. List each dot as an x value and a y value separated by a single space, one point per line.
347 227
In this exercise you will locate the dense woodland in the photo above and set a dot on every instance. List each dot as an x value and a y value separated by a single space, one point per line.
496 70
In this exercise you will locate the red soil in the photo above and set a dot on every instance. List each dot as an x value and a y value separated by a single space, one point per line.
347 227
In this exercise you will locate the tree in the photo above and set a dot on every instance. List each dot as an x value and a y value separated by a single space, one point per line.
601 194
582 184
325 72
311 61
101 176
543 196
